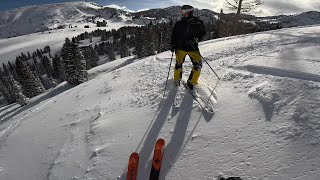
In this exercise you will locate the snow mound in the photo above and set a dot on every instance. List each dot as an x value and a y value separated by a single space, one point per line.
264 93
237 75
299 101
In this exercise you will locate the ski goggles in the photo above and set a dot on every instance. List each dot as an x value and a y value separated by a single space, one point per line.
185 11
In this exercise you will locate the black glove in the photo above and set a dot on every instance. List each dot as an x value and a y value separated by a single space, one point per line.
172 48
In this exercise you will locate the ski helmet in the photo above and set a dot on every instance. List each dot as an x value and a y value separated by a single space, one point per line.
187 9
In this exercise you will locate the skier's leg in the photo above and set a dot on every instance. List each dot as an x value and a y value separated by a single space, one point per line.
180 57
197 66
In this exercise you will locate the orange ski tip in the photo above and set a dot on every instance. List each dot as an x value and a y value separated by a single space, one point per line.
133 166
134 154
160 142
158 152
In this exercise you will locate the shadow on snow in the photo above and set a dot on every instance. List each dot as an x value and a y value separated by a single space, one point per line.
177 144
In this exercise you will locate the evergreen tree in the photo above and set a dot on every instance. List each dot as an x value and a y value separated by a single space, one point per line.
58 69
12 69
91 57
94 58
101 48
111 53
17 92
166 37
6 93
47 49
75 40
103 36
124 49
74 63
47 66
39 53
23 57
6 70
150 41
30 84
139 46
98 49
5 88
29 56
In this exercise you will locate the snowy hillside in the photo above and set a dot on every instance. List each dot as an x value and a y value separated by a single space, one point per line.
266 125
77 14
301 19
40 18
12 47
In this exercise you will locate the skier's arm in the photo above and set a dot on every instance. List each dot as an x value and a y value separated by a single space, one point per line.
202 31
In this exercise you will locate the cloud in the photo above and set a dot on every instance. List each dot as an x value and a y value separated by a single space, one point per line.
270 7
277 7
146 9
119 7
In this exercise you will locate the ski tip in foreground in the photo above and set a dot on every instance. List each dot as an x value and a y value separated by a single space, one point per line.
160 142
134 155
157 159
133 166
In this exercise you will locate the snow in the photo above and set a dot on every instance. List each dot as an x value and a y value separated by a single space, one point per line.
266 124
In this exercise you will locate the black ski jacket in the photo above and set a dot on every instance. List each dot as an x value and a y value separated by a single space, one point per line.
185 30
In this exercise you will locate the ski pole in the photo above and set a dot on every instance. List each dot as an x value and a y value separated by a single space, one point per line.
206 62
168 74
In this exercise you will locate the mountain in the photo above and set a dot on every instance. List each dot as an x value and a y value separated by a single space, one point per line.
266 122
302 19
40 18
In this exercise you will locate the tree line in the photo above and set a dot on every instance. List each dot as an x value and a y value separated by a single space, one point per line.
30 75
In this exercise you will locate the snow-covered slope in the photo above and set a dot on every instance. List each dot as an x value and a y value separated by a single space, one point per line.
266 125
40 18
27 21
12 47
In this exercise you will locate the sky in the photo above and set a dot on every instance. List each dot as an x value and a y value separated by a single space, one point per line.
269 8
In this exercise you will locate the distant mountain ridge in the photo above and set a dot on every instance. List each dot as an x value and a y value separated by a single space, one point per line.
31 19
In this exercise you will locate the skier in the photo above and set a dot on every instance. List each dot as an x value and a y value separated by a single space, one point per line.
185 37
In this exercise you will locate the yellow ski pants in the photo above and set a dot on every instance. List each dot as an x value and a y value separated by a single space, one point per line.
196 62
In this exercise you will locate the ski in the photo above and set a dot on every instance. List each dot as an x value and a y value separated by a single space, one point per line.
201 102
133 166
157 159
177 98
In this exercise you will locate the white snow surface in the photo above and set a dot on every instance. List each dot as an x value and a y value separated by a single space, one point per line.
266 125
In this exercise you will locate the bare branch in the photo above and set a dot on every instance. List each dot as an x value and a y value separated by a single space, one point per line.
243 5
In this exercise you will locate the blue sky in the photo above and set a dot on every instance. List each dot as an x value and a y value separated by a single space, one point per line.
270 7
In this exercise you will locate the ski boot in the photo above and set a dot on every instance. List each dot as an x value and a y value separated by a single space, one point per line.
176 83
190 86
